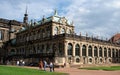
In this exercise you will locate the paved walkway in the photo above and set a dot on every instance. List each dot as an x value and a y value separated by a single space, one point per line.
75 71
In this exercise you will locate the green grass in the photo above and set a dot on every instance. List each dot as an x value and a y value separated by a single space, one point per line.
9 70
111 68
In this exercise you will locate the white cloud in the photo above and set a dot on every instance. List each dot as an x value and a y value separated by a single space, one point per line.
97 17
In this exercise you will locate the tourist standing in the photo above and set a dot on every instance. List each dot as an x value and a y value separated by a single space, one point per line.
18 63
45 65
51 67
40 65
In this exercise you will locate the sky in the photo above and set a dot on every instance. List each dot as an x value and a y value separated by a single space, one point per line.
97 18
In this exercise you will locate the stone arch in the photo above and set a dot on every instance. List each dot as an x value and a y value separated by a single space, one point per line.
84 50
95 51
90 60
77 50
90 50
77 59
70 49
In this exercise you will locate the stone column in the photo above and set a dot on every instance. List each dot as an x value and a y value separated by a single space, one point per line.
87 50
73 52
111 53
81 58
107 57
66 55
93 55
98 55
86 61
102 52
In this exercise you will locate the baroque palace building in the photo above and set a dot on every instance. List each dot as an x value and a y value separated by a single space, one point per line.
8 29
54 39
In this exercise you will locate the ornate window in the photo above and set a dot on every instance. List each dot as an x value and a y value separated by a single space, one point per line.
61 49
83 50
62 31
70 47
89 51
55 30
95 51
77 50
43 33
69 31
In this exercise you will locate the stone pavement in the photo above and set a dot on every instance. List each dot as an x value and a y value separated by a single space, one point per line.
75 71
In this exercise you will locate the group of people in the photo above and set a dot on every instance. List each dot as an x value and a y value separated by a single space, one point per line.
44 64
21 63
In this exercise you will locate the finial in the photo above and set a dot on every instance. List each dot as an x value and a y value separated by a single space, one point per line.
86 34
43 17
72 23
55 12
26 10
80 34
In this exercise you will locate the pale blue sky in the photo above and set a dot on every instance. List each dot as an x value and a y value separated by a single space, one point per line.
96 17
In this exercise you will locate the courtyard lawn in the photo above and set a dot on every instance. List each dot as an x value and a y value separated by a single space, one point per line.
111 68
9 70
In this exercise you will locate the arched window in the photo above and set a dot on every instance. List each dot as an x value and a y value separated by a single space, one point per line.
70 47
43 33
109 52
95 51
105 52
62 31
61 49
89 51
116 52
0 35
77 50
48 48
83 50
113 52
100 52
55 30
12 51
